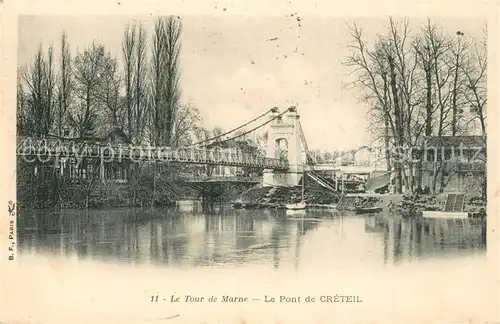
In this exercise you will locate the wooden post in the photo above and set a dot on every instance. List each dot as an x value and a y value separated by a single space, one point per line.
101 170
154 184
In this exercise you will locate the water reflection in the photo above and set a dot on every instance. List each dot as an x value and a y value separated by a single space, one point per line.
189 238
416 238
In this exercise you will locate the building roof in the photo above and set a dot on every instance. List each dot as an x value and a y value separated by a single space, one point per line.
454 141
111 136
117 132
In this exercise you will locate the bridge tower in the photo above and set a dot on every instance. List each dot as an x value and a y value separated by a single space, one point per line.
284 141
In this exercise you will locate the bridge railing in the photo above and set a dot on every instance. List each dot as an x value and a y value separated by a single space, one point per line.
43 148
221 178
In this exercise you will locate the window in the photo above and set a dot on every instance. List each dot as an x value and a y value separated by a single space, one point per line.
448 154
430 156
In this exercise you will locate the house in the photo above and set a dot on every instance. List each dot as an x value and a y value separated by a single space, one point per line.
453 163
363 156
106 171
347 158
370 156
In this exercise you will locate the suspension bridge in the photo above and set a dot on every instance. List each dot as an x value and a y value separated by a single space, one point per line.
282 165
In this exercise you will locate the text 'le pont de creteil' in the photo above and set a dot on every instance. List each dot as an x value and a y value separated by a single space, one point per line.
266 299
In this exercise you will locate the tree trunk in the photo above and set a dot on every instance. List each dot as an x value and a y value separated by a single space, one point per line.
387 142
454 108
398 124
428 106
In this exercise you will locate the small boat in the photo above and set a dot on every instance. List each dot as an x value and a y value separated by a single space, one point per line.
251 206
367 210
444 214
295 212
452 209
297 206
238 204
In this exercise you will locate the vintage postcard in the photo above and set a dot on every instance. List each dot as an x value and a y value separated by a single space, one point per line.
249 162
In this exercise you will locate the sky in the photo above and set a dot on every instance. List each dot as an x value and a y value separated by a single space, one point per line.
233 71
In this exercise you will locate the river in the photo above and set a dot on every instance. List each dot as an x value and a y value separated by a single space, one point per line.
110 262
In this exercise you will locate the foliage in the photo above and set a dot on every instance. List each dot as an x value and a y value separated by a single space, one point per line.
418 84
86 95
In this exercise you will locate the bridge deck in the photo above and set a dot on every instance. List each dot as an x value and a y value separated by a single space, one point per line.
222 179
46 148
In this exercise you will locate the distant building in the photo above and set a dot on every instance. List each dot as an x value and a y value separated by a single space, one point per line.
88 169
370 156
363 156
453 163
347 158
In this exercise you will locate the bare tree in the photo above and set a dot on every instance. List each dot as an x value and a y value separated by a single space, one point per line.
172 40
65 84
444 56
128 49
164 83
109 93
88 68
424 58
39 116
140 78
378 74
416 85
134 47
21 112
458 53
49 89
187 125
432 51
157 84
475 71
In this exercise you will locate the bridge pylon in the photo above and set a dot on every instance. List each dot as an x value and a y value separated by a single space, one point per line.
284 141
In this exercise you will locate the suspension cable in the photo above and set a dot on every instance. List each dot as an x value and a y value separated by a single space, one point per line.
306 148
251 130
303 137
235 129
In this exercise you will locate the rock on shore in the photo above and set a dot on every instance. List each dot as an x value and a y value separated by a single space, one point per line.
287 195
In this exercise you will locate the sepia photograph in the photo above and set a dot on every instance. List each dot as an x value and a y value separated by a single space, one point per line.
228 168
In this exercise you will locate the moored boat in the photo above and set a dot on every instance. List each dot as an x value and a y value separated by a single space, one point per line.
454 208
296 212
445 214
238 204
297 206
251 205
367 210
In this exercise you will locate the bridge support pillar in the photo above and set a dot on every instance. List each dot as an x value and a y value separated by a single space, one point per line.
284 141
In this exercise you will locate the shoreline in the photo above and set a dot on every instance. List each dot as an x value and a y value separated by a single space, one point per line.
273 198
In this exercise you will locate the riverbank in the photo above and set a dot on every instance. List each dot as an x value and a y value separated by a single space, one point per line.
318 197
99 195
279 196
414 205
